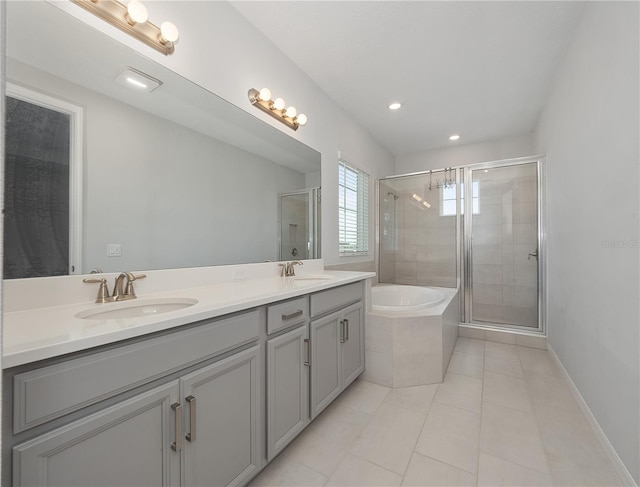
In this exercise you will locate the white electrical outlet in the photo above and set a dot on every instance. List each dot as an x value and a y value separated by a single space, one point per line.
114 250
238 273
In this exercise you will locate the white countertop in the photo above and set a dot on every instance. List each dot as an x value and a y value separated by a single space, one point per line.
41 333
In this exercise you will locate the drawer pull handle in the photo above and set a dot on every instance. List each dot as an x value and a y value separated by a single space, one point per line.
191 435
342 332
177 445
346 328
308 344
290 316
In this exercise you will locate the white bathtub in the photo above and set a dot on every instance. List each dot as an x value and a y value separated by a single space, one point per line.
399 298
410 334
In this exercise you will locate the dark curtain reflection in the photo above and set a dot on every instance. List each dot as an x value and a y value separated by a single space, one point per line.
36 192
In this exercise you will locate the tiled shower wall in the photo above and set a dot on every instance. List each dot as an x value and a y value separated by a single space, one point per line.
417 243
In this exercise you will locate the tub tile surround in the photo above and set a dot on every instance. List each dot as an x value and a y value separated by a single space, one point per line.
411 348
40 322
496 430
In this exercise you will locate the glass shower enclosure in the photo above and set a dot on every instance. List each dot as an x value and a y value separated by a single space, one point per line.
476 227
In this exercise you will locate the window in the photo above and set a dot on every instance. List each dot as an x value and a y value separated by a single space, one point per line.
448 199
353 210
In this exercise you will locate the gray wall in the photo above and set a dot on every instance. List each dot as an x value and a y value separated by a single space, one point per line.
172 197
589 131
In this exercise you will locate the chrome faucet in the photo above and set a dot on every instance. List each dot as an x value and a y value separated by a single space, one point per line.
287 268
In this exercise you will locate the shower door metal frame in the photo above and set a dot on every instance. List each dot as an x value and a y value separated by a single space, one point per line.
466 254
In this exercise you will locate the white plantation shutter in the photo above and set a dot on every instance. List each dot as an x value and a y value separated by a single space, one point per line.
353 210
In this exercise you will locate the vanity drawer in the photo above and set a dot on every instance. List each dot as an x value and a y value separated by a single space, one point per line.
336 298
287 313
43 394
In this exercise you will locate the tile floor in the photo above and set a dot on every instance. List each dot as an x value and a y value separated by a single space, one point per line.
503 416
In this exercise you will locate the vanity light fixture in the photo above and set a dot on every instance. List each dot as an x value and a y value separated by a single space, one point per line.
277 108
133 19
137 80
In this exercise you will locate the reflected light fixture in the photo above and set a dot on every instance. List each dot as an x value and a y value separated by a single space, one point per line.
395 105
421 201
276 108
132 18
454 137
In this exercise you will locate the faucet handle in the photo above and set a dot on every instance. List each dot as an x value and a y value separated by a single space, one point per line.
128 290
103 292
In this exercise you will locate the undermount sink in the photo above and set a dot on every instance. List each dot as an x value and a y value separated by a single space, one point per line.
136 308
313 278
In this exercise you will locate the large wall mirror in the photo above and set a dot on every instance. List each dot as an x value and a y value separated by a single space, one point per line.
102 174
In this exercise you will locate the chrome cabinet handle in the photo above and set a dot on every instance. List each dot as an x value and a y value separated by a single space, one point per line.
290 316
342 333
308 343
346 328
191 435
177 445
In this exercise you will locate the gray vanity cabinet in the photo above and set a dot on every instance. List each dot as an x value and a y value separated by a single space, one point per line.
125 444
221 408
337 343
325 369
200 425
287 388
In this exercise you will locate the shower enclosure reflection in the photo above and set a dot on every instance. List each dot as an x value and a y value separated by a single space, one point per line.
299 222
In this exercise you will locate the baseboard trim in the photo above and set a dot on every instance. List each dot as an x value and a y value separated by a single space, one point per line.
621 469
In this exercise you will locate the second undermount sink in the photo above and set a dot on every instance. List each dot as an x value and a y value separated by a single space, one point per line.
136 308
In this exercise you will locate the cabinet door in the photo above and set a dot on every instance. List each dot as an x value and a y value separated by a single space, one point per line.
352 333
221 421
326 374
128 444
287 388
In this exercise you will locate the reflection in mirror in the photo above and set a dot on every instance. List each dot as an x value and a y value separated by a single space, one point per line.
299 220
175 177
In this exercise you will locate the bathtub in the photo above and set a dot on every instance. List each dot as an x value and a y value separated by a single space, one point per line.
403 298
410 334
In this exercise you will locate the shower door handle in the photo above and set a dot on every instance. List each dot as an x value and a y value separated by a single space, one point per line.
533 254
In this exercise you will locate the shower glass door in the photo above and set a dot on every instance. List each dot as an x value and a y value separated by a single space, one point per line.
502 224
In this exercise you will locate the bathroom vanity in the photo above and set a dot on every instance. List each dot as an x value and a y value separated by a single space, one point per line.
207 395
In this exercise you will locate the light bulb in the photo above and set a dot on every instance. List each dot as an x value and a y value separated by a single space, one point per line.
136 12
278 103
454 137
265 94
302 119
426 204
416 197
168 32
291 112
395 105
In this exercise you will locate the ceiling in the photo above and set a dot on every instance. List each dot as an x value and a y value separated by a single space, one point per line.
483 70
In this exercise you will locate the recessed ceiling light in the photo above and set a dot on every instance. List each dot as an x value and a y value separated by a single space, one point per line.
137 80
454 137
395 105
